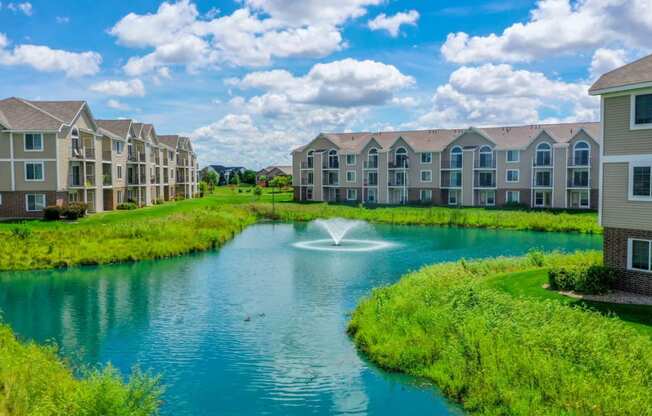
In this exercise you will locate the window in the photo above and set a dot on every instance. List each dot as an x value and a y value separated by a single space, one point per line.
584 199
581 154
452 197
426 176
512 175
486 157
371 195
455 179
639 254
487 198
425 195
350 160
333 159
513 156
486 180
372 158
350 176
641 182
372 179
426 157
310 159
456 157
118 147
34 171
543 179
542 198
580 178
121 197
351 194
513 197
641 111
401 158
33 142
311 178
118 172
543 155
35 202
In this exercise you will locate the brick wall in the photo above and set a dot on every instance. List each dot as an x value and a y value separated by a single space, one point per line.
14 206
615 255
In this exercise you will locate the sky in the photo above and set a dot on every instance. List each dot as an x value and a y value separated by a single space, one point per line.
249 80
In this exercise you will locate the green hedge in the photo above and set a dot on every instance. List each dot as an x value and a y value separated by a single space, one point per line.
587 278
500 355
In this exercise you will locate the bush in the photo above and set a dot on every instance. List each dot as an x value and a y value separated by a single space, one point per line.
75 210
179 197
127 206
593 279
158 202
258 191
52 213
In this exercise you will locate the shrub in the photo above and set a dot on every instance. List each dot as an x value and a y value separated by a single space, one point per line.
258 191
75 210
52 213
127 206
592 279
21 233
158 202
179 197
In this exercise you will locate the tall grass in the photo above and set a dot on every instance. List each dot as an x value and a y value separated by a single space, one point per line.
497 354
35 381
581 222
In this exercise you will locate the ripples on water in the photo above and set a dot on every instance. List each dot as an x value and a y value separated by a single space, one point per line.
256 328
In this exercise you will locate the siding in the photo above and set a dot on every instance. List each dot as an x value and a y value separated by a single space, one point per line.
5 176
618 212
49 184
5 147
619 139
49 147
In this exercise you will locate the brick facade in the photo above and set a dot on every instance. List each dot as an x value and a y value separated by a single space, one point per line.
615 255
14 205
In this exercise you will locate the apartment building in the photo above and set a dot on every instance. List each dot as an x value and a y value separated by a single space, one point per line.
541 166
56 152
186 164
626 176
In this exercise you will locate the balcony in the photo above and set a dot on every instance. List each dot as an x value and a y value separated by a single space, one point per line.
451 163
332 164
397 181
371 164
371 181
106 155
542 181
132 157
579 179
75 181
485 163
90 180
480 181
76 152
141 156
89 152
307 164
542 162
331 180
398 164
107 180
580 161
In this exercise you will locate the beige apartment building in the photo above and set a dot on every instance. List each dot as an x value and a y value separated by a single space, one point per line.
541 166
56 152
186 164
626 177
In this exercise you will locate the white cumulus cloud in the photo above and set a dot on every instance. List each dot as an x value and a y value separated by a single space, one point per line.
25 8
392 24
604 60
131 88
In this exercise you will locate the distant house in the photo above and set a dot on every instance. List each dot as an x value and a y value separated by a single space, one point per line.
225 172
270 172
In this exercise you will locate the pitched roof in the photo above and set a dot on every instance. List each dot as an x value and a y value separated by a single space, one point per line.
286 170
63 110
117 127
170 140
628 75
138 129
513 137
19 114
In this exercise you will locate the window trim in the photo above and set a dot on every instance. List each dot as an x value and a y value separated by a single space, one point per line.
588 198
355 159
457 197
421 175
632 113
421 191
543 205
34 162
354 176
45 202
421 158
518 197
487 192
355 195
33 150
518 174
630 254
518 156
630 185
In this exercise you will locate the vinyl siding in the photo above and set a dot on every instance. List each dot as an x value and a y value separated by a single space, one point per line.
619 139
5 176
618 212
49 147
50 178
5 147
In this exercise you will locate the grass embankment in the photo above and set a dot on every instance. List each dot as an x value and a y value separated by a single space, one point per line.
581 222
35 381
503 354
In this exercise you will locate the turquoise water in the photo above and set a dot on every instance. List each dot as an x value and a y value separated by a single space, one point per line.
257 327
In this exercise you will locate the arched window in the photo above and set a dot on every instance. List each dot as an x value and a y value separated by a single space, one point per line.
76 143
486 157
456 157
372 158
310 158
581 152
544 155
333 159
401 157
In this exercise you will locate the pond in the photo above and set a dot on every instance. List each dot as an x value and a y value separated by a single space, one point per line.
257 327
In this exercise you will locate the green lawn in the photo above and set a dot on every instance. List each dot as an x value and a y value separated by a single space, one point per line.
529 284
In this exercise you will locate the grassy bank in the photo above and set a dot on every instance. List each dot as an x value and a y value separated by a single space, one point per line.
35 381
581 222
497 353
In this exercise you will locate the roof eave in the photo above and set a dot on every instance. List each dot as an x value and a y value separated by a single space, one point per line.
620 88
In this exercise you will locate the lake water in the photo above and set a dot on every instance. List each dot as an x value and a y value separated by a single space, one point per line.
257 327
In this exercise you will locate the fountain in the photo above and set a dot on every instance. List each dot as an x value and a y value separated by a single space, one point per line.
337 229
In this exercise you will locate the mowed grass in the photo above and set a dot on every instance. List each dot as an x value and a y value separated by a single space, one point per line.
497 350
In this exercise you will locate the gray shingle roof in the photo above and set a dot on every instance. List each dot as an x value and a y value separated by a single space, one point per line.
170 140
633 73
117 127
19 114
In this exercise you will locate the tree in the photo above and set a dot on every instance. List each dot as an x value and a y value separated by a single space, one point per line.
234 179
249 177
279 182
212 179
262 179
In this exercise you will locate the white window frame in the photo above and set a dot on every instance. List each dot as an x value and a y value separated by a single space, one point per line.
632 114
486 193
518 197
354 175
34 162
588 198
543 205
630 185
536 174
350 193
40 135
429 157
518 156
630 254
35 205
518 175
421 193
118 172
421 176
355 159
453 192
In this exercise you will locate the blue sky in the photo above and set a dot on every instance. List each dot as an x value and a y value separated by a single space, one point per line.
251 79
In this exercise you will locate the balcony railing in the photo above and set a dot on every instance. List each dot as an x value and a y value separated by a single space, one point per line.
542 162
579 161
75 181
545 182
76 152
141 156
579 182
371 164
106 155
485 163
328 180
480 182
400 164
132 157
90 152
332 164
107 180
451 163
397 181
90 180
